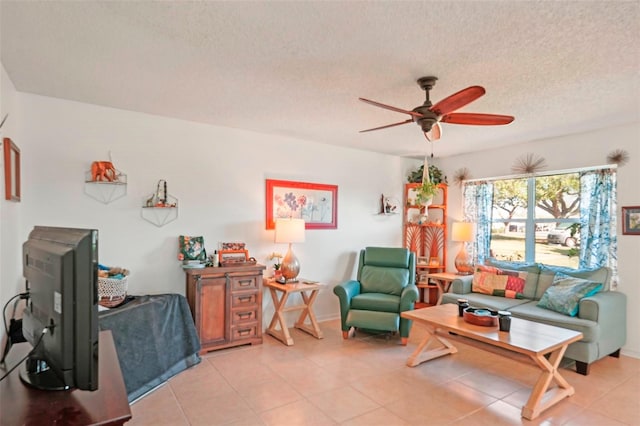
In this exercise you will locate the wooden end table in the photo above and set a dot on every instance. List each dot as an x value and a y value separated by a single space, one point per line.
309 292
443 281
527 340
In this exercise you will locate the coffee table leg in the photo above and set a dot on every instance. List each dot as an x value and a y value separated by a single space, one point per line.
541 396
418 356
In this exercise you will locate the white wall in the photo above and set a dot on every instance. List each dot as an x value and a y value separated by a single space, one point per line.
218 175
568 152
10 219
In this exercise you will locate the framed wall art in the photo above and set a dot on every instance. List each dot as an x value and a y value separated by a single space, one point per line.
631 220
316 203
11 170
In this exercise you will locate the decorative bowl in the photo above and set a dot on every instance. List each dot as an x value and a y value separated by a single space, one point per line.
484 317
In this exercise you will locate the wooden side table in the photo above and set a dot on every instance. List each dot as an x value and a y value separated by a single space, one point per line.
309 292
443 280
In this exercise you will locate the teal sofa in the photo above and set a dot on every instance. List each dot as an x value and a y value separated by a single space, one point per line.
384 287
601 318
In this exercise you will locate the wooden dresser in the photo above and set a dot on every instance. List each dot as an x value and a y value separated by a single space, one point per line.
226 304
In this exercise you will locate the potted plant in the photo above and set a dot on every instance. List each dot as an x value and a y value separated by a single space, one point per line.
276 265
425 192
429 183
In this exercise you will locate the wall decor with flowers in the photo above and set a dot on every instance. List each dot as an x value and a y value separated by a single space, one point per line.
316 203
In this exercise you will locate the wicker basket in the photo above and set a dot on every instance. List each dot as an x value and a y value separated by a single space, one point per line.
112 291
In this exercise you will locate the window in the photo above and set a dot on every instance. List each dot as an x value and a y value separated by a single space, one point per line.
536 219
565 219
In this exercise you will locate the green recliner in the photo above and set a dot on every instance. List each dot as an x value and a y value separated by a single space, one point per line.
385 287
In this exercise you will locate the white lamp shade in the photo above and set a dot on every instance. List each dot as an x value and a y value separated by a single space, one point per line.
462 231
289 231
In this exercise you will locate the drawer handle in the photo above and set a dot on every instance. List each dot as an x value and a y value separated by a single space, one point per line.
245 283
244 332
244 315
244 299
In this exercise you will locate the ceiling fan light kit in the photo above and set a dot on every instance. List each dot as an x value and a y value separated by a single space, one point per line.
429 116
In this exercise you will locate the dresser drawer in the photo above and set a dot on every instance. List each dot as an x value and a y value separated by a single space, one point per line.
244 300
244 331
240 316
242 283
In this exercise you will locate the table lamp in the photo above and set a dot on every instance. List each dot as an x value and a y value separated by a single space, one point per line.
463 232
290 231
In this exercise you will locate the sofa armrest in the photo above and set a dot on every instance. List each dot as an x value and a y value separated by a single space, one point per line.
608 306
462 285
408 297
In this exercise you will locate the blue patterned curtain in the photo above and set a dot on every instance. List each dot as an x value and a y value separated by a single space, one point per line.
478 201
598 246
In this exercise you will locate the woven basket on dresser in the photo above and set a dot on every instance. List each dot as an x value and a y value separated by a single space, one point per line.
111 291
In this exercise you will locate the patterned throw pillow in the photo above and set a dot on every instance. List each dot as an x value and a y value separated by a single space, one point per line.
498 282
191 248
565 293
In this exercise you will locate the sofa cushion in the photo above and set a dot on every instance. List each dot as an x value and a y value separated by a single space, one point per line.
548 273
377 279
529 311
565 292
376 302
532 270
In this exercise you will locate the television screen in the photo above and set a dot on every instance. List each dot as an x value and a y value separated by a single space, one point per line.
61 317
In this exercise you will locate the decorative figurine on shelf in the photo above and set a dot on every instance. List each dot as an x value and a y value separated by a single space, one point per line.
161 193
103 171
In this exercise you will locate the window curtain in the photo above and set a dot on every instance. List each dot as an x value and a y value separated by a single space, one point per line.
478 200
598 245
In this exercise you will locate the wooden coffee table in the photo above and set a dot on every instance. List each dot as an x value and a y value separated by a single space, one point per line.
527 340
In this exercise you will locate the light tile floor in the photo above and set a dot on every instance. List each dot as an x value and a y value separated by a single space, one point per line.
364 381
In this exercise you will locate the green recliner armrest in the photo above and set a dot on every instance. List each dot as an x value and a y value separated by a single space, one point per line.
408 297
462 284
345 292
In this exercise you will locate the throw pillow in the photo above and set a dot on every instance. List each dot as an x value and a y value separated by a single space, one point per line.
565 293
498 282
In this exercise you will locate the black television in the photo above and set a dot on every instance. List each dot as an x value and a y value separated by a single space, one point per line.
60 320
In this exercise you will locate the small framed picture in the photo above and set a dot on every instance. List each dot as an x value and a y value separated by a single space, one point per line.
423 260
434 261
631 220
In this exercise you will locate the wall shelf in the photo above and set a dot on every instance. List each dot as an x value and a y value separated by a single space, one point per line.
162 212
105 191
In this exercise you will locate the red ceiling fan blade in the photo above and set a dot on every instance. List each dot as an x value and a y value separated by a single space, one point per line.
388 125
434 134
404 111
476 119
458 100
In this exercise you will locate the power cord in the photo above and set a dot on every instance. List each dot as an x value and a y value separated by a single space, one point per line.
8 330
44 331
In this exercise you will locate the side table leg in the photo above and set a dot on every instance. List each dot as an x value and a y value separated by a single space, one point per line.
314 328
278 318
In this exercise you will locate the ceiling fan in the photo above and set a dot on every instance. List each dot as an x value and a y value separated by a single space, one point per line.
429 116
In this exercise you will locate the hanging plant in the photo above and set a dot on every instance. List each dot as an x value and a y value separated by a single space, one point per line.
429 186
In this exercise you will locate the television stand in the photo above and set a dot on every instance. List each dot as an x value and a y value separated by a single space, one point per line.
22 404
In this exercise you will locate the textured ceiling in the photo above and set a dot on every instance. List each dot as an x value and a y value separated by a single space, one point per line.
297 68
